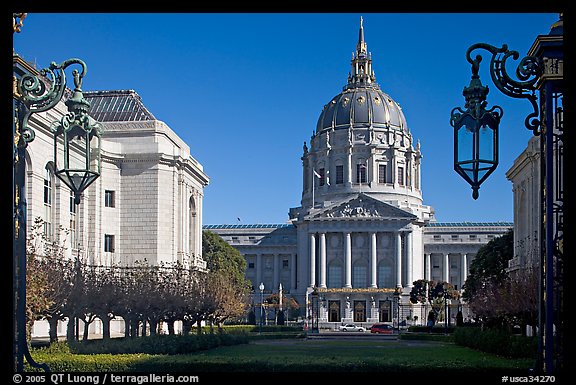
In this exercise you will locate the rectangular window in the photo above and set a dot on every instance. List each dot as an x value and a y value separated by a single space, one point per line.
361 173
455 236
47 191
109 198
108 243
284 263
472 236
437 237
322 178
382 173
401 176
250 265
339 174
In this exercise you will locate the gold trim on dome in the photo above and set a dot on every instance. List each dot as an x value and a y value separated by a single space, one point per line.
361 99
377 100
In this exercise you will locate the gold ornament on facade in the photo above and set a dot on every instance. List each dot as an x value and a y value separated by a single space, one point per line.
17 24
377 100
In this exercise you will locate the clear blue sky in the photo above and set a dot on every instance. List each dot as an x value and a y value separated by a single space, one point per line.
245 91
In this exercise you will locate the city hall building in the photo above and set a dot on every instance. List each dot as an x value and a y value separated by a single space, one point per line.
362 230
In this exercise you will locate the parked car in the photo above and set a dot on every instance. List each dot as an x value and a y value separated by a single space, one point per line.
382 329
351 328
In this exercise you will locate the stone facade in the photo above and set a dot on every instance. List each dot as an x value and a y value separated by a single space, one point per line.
146 204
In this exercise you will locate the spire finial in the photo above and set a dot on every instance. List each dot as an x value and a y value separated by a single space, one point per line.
361 46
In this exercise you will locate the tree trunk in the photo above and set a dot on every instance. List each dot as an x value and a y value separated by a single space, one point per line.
70 328
134 328
186 327
170 323
144 327
86 326
105 327
199 326
53 322
153 326
126 327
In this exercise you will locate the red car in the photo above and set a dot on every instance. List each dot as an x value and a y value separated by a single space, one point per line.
382 329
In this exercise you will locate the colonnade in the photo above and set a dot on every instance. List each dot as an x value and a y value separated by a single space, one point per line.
372 280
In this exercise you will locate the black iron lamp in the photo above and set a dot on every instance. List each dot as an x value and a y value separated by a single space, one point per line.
475 133
79 136
315 310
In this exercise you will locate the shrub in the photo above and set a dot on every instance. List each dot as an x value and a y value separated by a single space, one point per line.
496 341
157 344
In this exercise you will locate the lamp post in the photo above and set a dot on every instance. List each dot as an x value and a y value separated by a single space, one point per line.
80 136
475 157
261 287
397 294
315 310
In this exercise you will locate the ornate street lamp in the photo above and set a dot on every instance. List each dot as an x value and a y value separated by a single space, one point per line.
261 287
34 93
397 294
78 133
315 310
476 128
542 71
475 133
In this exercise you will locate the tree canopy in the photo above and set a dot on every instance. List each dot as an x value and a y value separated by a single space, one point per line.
490 265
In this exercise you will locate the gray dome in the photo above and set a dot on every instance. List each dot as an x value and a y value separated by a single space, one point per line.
362 107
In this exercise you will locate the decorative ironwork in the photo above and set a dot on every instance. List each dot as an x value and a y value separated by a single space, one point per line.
18 21
528 72
475 133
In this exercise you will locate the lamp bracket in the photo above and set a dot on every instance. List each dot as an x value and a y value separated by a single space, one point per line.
42 91
528 72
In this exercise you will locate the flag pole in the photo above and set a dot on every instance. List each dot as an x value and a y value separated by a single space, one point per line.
313 177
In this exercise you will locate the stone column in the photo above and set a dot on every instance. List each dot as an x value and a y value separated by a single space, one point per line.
347 260
463 269
276 272
312 260
409 259
322 260
293 284
258 270
373 261
398 259
446 266
427 266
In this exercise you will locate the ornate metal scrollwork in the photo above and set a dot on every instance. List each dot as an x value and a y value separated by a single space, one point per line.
38 94
528 73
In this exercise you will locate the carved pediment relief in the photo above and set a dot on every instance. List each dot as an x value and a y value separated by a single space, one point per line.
363 207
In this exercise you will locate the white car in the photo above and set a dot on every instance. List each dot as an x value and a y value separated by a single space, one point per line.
351 328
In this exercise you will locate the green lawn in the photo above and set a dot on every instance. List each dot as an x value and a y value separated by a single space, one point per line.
301 355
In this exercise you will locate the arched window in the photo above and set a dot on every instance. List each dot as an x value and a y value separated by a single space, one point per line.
48 200
360 275
192 226
361 171
335 274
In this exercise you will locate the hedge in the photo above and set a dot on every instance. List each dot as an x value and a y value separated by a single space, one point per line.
496 341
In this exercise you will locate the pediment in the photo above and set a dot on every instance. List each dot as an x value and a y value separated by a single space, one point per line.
361 207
